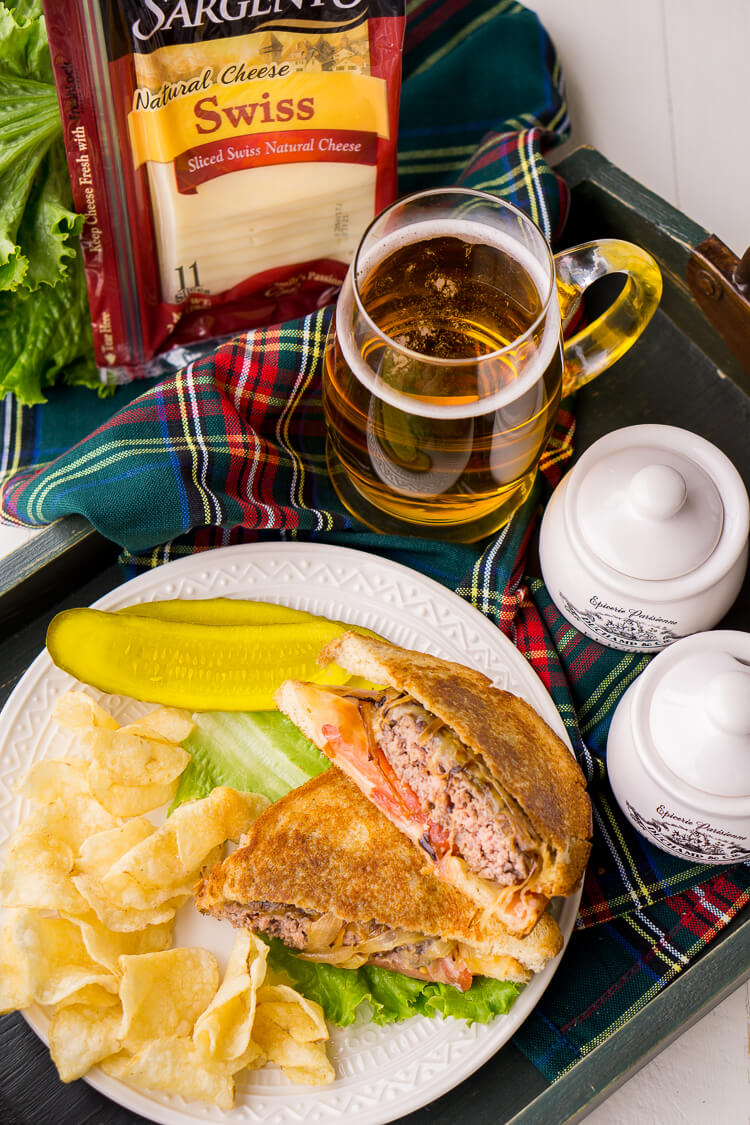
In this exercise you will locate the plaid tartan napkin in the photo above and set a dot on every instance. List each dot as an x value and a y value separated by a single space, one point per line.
232 449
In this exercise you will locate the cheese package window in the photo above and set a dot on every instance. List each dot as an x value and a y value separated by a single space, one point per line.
228 156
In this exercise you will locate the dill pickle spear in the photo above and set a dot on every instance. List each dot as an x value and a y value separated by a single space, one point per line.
196 666
219 611
234 611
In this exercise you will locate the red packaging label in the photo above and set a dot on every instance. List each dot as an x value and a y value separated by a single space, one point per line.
227 156
343 146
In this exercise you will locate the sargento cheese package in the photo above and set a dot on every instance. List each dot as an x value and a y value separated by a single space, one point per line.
228 156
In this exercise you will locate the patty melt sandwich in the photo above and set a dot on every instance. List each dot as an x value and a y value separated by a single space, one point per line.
471 774
325 872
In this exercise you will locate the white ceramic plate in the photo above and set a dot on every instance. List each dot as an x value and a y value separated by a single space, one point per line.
382 1073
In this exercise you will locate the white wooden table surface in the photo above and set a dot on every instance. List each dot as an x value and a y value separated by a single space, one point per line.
660 88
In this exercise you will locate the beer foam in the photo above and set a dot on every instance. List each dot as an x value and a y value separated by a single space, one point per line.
467 231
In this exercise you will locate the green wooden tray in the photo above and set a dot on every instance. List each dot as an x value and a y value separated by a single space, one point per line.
685 371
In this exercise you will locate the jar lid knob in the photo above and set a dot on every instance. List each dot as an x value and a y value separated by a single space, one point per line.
646 509
728 701
658 492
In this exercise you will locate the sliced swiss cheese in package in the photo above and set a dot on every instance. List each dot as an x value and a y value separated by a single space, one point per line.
228 156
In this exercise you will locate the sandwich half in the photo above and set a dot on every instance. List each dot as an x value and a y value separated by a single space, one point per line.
490 795
330 876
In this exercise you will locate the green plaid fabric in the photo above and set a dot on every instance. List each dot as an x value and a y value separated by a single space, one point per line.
501 61
232 449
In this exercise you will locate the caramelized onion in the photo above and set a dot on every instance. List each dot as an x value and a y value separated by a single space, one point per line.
345 957
323 932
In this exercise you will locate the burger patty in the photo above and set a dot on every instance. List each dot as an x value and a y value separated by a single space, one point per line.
291 925
482 835
409 958
277 919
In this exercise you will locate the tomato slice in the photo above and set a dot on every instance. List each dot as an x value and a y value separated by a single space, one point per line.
439 838
388 803
402 791
342 732
455 972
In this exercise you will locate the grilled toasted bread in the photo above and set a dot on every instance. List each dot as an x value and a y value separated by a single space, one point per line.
527 761
326 848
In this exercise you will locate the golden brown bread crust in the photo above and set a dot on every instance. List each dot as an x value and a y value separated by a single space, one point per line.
521 750
326 847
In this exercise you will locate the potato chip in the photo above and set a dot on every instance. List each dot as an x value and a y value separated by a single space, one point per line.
101 851
128 800
171 859
302 1062
292 1019
80 1036
152 863
224 815
37 874
56 957
291 1030
71 819
222 1031
123 999
174 1066
116 1064
129 894
91 996
77 712
169 723
129 757
15 977
119 918
316 1072
106 946
251 1058
163 994
51 777
303 1018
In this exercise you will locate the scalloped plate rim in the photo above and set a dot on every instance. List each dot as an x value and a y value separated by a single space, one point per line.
203 567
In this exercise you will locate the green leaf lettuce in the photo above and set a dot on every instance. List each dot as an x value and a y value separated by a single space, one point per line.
43 337
390 997
45 330
29 122
258 752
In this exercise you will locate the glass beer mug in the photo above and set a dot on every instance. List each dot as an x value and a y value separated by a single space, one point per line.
445 362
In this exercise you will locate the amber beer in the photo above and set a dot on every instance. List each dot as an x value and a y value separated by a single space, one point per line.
444 363
425 415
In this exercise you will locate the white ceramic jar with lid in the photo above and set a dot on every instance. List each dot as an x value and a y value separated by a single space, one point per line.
678 751
645 540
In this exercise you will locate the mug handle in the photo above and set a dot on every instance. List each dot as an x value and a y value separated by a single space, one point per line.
599 344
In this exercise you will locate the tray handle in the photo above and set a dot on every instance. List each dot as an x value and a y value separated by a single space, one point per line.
720 284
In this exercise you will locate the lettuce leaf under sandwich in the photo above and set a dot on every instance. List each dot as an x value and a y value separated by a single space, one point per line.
391 997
